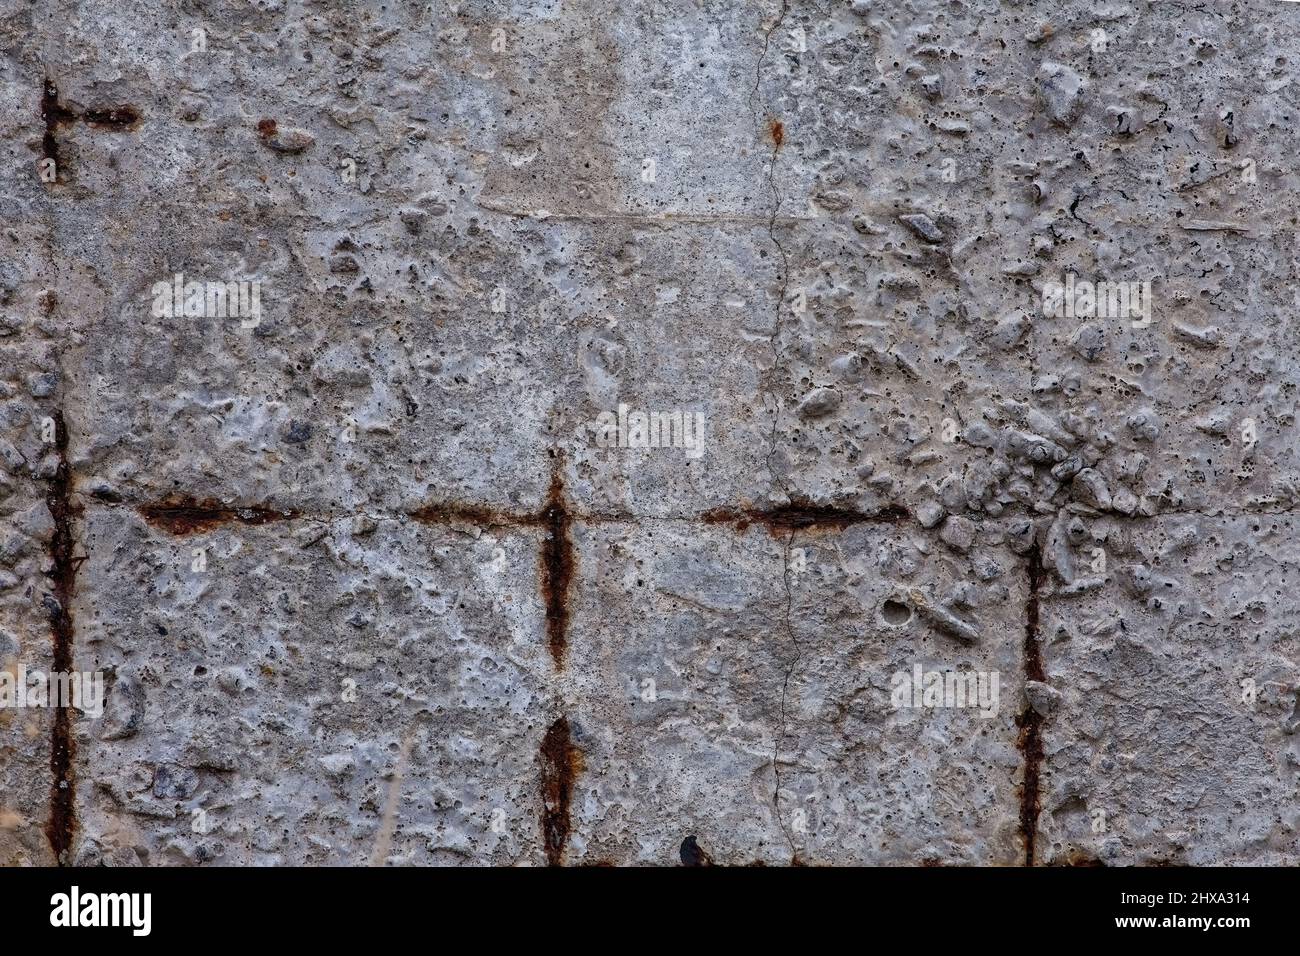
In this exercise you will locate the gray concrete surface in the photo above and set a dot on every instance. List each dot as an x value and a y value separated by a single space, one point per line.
374 569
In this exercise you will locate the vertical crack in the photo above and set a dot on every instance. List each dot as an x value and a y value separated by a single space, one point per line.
762 57
778 137
1030 721
63 574
785 690
775 130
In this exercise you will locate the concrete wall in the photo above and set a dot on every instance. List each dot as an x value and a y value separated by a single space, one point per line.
971 326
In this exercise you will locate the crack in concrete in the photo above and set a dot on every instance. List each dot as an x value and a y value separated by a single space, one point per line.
664 219
758 67
776 131
785 690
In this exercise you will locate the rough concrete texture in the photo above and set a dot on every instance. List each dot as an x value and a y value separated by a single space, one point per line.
366 581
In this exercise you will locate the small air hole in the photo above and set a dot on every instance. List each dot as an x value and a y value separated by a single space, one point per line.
895 612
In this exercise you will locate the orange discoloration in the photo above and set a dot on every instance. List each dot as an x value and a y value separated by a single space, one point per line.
558 561
561 764
60 827
187 516
1030 721
802 516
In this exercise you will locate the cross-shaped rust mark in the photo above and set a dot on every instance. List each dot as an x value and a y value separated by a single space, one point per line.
560 760
54 115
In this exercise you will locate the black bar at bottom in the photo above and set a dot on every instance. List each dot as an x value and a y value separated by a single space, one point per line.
341 907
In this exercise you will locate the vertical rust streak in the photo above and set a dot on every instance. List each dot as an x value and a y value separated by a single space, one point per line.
561 763
63 573
558 564
1030 721
53 114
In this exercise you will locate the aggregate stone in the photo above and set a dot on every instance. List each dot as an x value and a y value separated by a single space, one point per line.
734 647
26 778
374 699
1173 741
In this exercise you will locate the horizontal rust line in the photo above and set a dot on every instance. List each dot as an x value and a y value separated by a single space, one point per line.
187 516
802 515
112 117
451 513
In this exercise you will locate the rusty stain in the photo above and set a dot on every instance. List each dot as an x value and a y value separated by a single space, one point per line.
802 515
557 559
1079 858
776 129
61 826
182 516
53 115
1030 721
450 513
266 128
561 764
113 117
558 562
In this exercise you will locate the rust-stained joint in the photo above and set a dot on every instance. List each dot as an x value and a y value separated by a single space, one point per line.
557 566
54 114
120 117
801 515
558 559
1030 721
61 826
182 516
561 764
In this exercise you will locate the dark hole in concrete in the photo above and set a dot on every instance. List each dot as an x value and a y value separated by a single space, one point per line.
895 612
